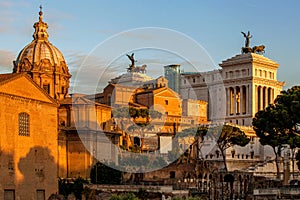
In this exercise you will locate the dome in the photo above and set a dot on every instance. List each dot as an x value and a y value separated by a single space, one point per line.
44 62
39 50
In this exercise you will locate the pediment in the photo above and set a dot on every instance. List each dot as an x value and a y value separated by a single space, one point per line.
167 93
22 86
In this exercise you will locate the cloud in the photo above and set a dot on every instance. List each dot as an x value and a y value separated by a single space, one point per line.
6 60
94 74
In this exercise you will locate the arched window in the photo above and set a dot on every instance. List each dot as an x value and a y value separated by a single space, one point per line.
24 124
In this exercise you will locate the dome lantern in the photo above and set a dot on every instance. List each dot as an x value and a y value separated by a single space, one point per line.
40 28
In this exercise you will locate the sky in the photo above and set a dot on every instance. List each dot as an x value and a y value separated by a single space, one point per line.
96 35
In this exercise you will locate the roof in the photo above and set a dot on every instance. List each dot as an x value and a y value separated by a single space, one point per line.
134 104
247 58
6 78
80 100
158 90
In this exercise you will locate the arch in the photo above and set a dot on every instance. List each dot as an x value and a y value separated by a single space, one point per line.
137 141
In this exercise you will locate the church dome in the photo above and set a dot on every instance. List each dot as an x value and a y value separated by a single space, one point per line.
44 62
39 50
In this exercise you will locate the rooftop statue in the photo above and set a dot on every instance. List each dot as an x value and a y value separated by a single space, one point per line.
133 68
131 58
247 41
259 49
247 49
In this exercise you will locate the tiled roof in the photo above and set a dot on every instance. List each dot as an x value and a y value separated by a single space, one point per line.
5 77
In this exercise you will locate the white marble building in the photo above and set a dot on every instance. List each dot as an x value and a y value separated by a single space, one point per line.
245 84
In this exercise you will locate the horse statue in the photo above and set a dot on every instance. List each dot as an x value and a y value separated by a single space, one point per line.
259 49
246 50
140 69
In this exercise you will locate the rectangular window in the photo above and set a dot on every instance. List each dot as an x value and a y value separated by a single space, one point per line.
9 194
10 165
46 87
40 194
24 124
172 174
166 102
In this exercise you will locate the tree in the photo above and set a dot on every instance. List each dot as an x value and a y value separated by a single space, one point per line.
197 132
227 136
293 142
103 174
76 187
126 196
268 126
289 101
123 116
278 124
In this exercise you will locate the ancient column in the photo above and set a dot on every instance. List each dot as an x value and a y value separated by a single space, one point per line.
241 99
261 98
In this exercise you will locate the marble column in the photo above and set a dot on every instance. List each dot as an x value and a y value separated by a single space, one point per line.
269 95
227 101
241 99
231 101
248 99
234 101
266 103
261 98
256 99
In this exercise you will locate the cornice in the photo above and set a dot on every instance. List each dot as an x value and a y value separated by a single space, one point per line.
25 99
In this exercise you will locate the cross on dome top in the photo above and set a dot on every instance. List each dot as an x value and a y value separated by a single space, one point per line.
41 13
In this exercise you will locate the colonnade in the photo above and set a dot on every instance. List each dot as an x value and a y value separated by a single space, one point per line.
239 99
263 97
